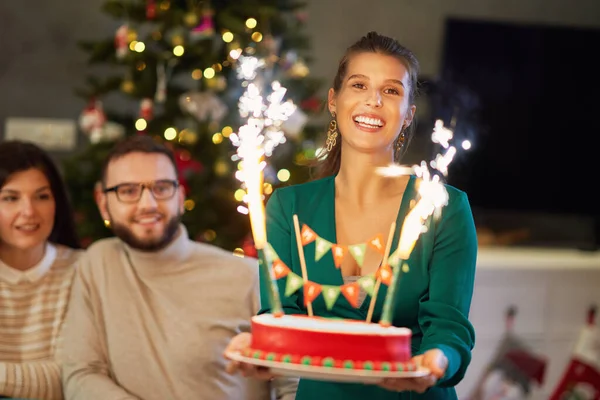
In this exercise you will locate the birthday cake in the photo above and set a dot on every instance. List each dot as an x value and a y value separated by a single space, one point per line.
322 342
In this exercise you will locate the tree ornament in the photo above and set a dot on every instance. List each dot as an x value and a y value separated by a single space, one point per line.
147 109
122 41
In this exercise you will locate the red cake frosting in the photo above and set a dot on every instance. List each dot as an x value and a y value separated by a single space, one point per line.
330 343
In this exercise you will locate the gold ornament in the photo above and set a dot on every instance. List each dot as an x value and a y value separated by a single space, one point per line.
190 19
127 86
221 168
177 40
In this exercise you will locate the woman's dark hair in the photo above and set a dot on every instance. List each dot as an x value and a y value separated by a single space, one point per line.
328 162
17 156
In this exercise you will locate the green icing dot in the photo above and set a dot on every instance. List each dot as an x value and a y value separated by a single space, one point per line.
400 367
386 366
271 356
348 364
286 358
306 360
257 354
368 365
328 362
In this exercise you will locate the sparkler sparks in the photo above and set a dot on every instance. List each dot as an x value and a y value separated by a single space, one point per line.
432 197
264 115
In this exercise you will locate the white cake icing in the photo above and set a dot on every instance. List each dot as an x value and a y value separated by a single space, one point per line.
329 325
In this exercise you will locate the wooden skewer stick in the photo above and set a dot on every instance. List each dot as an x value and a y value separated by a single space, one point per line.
388 247
302 260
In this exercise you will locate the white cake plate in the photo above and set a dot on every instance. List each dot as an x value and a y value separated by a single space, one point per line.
327 373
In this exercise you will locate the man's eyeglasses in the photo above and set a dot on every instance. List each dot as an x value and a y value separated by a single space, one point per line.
132 192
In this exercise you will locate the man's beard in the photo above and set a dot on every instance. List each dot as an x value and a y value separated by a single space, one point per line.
126 235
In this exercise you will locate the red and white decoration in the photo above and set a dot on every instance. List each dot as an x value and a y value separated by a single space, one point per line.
92 120
581 380
147 109
121 42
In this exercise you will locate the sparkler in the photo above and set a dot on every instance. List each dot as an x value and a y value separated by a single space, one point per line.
255 141
432 197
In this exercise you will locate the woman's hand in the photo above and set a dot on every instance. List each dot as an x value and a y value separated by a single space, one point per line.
434 360
237 345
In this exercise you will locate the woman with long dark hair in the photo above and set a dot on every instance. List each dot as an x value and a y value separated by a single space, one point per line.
38 250
372 106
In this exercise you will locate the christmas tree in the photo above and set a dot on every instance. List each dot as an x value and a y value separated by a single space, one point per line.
173 75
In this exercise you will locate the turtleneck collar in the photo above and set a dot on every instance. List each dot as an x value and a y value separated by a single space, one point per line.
177 251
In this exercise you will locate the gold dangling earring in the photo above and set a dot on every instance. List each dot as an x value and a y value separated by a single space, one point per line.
332 133
107 223
398 144
400 140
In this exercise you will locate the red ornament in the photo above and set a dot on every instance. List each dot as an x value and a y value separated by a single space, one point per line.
151 9
248 247
121 42
92 120
147 109
186 166
311 104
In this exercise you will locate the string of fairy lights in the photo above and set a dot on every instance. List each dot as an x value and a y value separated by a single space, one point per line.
208 73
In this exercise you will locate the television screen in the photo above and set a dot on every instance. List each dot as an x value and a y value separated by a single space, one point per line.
528 99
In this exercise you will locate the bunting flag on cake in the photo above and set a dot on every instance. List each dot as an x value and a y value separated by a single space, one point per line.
294 282
367 283
311 291
358 252
280 270
322 246
351 292
307 235
384 274
394 259
330 295
338 255
378 244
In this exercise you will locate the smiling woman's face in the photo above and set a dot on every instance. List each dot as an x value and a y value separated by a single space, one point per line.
372 106
27 209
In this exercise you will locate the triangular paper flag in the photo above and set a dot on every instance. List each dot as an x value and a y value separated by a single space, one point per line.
358 252
394 259
330 294
270 252
350 292
367 283
307 235
322 246
384 273
311 291
377 243
338 255
294 282
280 270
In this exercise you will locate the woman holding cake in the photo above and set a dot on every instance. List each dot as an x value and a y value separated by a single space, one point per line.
372 103
38 252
